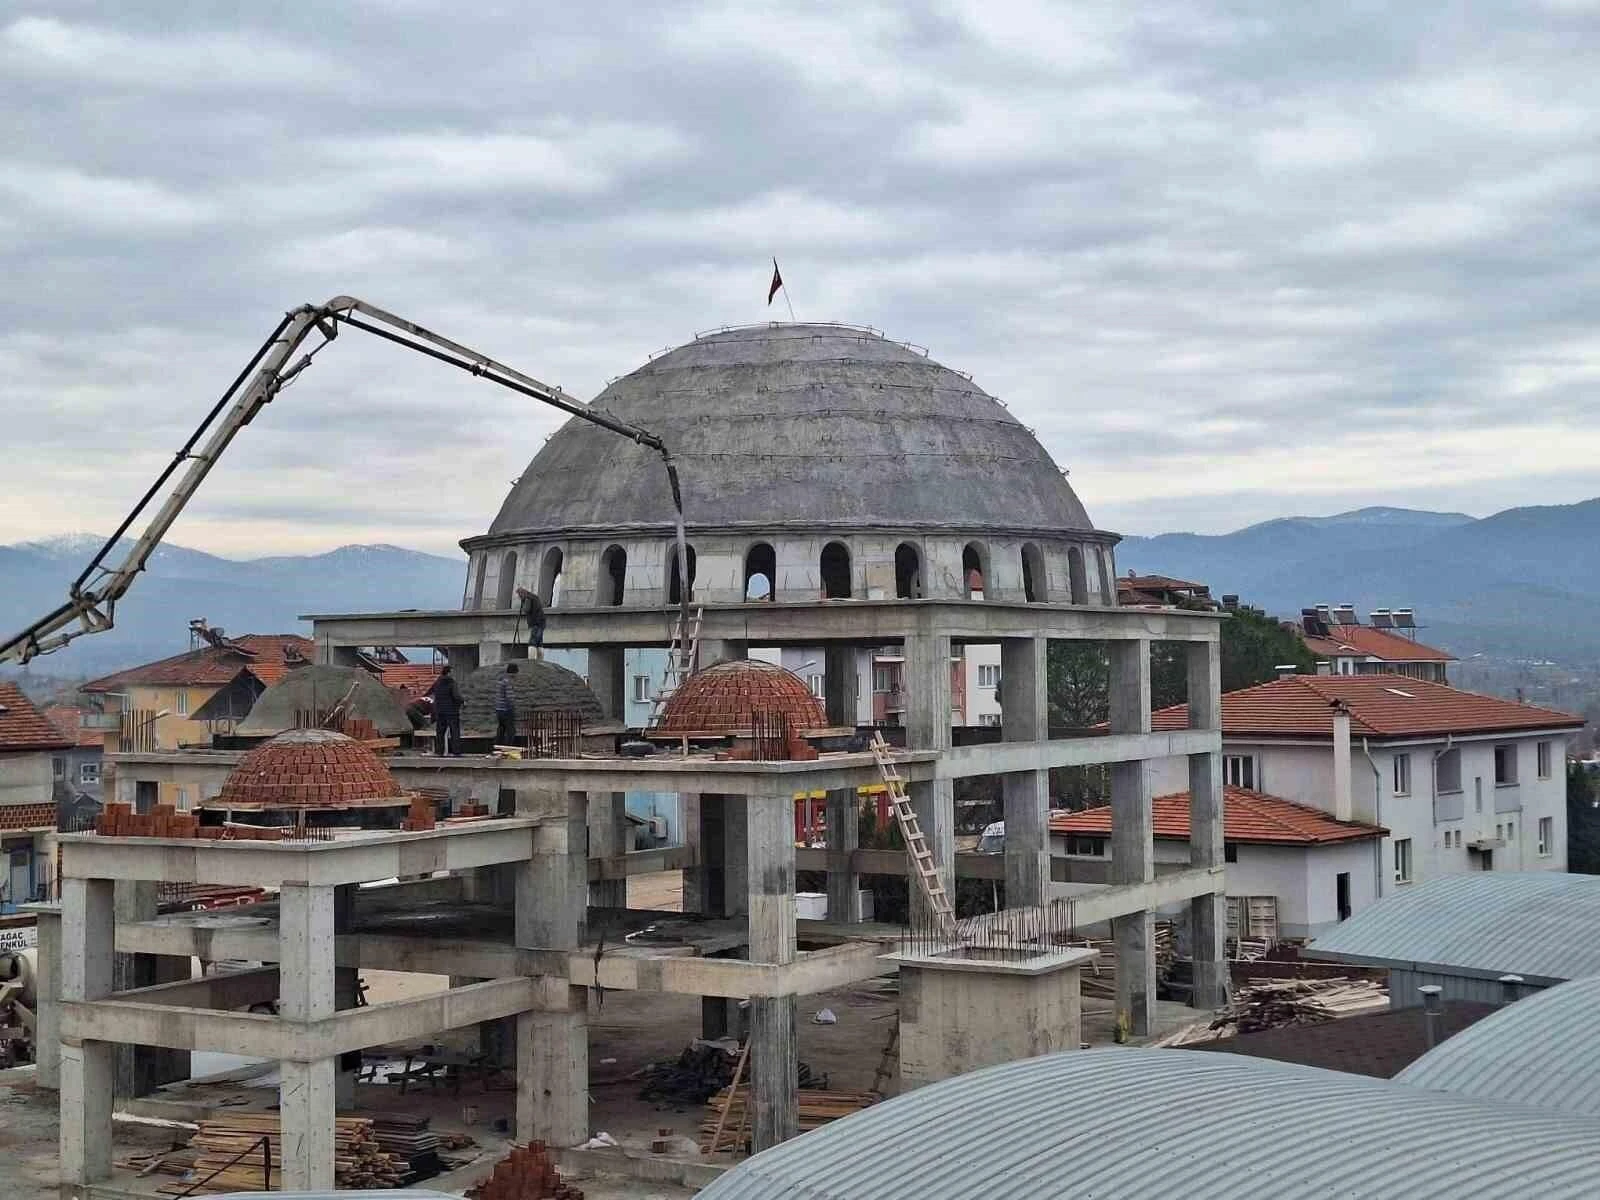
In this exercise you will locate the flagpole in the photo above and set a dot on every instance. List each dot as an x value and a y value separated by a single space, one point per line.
790 303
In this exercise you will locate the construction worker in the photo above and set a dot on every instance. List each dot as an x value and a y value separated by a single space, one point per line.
446 698
505 708
531 613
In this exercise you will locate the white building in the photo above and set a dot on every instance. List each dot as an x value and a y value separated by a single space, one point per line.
1312 869
27 796
1459 782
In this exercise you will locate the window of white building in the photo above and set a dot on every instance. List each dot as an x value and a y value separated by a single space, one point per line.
1402 774
1092 846
882 679
1402 860
1239 770
641 689
990 719
815 683
1505 765
182 704
1547 836
989 675
89 772
1447 771
1544 760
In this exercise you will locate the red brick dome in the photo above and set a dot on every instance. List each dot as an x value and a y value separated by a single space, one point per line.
308 768
722 698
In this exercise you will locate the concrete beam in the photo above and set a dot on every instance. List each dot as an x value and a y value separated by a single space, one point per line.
1093 908
227 990
257 1035
811 972
358 859
999 758
643 862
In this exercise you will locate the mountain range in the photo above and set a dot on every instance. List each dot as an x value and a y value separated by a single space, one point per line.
1523 583
260 595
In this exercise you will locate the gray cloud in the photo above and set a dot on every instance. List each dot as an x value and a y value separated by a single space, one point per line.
1227 260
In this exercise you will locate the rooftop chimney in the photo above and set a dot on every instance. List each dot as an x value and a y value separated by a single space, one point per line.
1510 989
1432 1007
1341 761
1285 670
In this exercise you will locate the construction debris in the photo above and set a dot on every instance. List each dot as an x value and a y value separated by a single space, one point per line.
1099 978
1274 1003
525 1174
728 1115
703 1069
231 1155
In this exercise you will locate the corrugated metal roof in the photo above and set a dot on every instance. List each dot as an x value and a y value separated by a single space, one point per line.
1537 924
1542 1051
1140 1123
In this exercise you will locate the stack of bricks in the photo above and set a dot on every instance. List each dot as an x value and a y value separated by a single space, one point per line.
163 821
420 817
472 808
27 816
361 729
308 768
726 697
525 1174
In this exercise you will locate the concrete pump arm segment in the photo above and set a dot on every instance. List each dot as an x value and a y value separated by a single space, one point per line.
92 597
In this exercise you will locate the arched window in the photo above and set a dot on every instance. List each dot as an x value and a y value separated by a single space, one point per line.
907 572
760 572
974 570
508 580
1108 593
550 577
613 575
835 571
674 578
477 588
1034 589
1080 581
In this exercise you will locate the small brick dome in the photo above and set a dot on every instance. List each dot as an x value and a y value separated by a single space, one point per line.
308 768
722 698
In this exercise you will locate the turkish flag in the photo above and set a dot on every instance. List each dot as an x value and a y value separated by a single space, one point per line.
777 282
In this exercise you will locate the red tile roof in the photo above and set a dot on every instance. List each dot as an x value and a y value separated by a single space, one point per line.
414 679
1367 642
1137 582
272 655
1246 817
1380 706
69 721
24 727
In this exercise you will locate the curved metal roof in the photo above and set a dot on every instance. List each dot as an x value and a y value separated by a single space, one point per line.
796 425
1542 1051
1140 1123
1537 924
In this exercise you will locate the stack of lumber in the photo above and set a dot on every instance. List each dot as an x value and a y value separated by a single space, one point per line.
525 1174
409 1140
358 1160
1100 977
1274 1003
817 1108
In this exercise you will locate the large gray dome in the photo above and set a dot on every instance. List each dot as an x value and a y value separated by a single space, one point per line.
796 425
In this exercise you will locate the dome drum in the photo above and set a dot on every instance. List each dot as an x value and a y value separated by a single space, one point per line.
880 565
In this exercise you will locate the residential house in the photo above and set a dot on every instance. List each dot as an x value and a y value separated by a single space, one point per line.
1457 781
1317 869
184 700
1163 591
1388 646
28 742
77 768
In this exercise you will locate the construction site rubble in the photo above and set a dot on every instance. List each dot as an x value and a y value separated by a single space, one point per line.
702 1070
1274 1003
525 1174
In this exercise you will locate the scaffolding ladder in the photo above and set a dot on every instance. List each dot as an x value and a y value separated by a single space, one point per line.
922 863
682 656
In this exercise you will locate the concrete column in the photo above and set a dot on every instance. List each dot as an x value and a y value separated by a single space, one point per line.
47 998
1132 844
926 679
492 654
346 993
139 1070
844 839
337 656
306 993
715 650
773 1056
694 878
608 836
607 682
553 1037
1025 717
1208 915
87 935
463 660
840 684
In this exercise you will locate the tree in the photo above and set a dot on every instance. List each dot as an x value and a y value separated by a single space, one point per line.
1583 821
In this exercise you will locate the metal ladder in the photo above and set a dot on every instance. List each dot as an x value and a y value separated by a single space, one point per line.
922 863
682 655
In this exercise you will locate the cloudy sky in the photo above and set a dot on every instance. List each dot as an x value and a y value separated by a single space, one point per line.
1230 261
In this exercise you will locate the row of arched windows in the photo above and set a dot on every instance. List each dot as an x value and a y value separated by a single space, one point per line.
761 572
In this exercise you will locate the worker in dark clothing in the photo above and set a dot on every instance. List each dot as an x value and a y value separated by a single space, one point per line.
505 708
531 613
446 698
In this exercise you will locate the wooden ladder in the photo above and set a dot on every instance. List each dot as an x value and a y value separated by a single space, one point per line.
889 1058
682 656
922 863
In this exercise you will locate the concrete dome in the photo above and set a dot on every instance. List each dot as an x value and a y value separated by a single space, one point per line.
723 698
777 426
537 686
308 768
317 689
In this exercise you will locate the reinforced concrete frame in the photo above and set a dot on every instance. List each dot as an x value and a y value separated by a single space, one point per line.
560 853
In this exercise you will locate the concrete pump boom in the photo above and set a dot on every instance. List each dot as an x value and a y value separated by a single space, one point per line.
92 597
